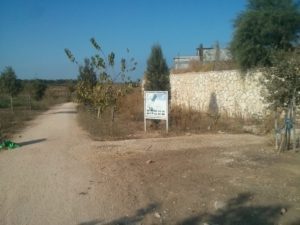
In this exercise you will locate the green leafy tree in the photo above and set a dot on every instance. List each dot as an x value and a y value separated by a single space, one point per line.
87 79
97 83
282 93
87 73
9 84
157 73
39 89
264 28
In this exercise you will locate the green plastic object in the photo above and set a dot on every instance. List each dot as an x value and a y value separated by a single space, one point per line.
7 144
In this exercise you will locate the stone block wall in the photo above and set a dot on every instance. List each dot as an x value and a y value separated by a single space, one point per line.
225 92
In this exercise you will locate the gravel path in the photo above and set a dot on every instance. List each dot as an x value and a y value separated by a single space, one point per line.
43 182
60 176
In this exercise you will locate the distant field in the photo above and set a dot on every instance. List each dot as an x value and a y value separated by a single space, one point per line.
26 108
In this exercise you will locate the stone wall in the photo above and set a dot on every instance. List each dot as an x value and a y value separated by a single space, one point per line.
225 92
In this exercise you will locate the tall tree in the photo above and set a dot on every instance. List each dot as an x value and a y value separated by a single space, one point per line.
264 28
9 84
157 73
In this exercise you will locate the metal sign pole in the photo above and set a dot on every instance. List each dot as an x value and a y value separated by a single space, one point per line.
145 120
167 112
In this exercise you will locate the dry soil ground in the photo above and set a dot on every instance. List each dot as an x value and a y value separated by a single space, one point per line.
61 176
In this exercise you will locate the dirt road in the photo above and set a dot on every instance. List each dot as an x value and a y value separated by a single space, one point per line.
61 176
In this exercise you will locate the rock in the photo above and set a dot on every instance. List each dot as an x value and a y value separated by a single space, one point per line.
253 129
149 161
283 211
219 205
157 215
205 224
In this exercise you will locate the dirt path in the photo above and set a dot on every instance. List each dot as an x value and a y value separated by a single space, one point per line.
60 176
41 181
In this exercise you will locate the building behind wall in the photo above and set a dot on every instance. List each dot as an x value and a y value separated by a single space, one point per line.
203 55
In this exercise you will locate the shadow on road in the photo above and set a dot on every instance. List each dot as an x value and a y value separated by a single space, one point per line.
238 211
65 112
128 220
35 141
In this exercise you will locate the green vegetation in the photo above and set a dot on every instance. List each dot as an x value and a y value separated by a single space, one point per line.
22 100
266 37
9 84
129 121
282 93
99 86
265 28
157 73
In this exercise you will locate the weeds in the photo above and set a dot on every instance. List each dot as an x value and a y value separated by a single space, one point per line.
129 121
26 109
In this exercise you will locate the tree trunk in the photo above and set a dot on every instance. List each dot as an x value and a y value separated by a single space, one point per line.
11 104
294 117
288 142
29 102
283 142
276 130
98 112
113 114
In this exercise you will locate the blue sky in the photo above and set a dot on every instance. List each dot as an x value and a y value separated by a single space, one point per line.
34 33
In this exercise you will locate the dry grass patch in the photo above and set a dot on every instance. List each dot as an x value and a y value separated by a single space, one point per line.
25 110
129 121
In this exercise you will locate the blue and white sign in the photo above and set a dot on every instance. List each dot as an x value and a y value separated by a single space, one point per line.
156 106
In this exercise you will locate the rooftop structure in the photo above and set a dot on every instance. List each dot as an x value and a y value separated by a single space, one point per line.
203 55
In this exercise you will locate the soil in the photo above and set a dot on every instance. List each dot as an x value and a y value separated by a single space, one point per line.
61 176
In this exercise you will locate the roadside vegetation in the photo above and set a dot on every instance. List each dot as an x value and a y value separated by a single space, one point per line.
22 100
266 39
129 121
111 106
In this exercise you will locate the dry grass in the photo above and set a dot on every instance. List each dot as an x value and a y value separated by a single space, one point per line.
197 66
129 121
188 120
10 122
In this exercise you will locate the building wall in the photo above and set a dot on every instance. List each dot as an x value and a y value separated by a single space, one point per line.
183 62
226 92
208 55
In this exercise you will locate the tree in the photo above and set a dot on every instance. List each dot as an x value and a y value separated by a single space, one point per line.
39 89
87 79
157 73
282 83
266 27
9 84
87 73
102 93
34 89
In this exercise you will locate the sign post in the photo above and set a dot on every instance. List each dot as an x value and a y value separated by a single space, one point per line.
156 107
